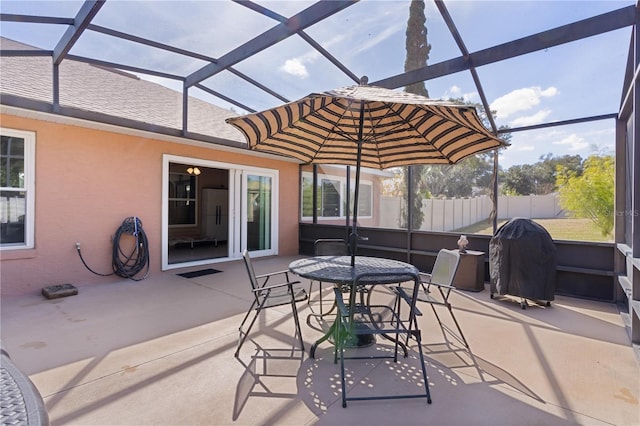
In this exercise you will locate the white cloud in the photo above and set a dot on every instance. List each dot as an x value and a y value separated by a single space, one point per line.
574 142
522 148
521 100
471 97
295 67
530 120
455 92
298 66
549 92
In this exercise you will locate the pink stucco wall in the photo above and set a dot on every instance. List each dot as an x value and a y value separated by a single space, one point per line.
88 181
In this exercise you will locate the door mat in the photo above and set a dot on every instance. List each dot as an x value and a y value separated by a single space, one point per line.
200 273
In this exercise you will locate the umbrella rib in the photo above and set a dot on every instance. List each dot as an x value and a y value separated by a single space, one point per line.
373 138
402 123
459 119
335 128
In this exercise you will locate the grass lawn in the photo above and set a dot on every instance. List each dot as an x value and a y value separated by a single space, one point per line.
560 229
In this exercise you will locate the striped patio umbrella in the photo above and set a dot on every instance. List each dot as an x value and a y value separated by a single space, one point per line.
368 126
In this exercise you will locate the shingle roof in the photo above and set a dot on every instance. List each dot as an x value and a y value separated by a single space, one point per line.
108 91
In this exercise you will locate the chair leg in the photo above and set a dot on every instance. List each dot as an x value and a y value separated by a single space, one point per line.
294 308
396 304
455 321
322 313
311 282
413 324
397 339
435 312
457 326
243 336
320 297
247 314
414 331
334 305
310 291
422 364
343 381
339 348
337 329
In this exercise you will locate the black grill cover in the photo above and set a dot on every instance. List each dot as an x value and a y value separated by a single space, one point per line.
522 260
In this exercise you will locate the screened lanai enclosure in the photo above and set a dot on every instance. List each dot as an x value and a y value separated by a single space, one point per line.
555 80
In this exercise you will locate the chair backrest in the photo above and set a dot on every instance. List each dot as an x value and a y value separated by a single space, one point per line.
331 247
249 266
445 268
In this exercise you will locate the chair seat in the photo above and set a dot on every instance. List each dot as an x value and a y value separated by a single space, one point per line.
380 318
281 297
424 296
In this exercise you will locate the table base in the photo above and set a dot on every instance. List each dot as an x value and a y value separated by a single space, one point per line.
358 340
355 341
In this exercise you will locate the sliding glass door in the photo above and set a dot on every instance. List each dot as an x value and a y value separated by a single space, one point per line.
212 211
258 206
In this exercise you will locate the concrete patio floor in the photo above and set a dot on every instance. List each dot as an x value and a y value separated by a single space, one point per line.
160 351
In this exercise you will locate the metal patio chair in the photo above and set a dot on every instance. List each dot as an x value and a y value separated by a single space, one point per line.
356 318
268 295
436 289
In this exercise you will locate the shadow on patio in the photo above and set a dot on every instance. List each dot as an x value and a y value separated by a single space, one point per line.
160 351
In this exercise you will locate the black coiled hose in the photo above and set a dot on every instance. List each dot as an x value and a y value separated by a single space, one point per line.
127 265
130 265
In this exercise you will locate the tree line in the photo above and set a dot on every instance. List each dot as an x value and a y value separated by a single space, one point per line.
585 186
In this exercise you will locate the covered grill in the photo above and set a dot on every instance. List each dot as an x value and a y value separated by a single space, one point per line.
522 262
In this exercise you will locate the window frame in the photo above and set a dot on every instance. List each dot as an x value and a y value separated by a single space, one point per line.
29 189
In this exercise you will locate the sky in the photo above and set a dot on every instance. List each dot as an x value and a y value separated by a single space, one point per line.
570 81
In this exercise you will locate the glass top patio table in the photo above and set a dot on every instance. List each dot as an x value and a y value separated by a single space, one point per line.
338 269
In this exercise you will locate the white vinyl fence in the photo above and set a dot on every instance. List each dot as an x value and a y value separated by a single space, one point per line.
445 215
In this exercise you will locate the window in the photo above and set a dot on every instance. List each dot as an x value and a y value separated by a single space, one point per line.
364 199
629 213
331 196
182 199
17 163
307 195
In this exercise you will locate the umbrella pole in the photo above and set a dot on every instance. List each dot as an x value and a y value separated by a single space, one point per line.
353 238
347 216
410 195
